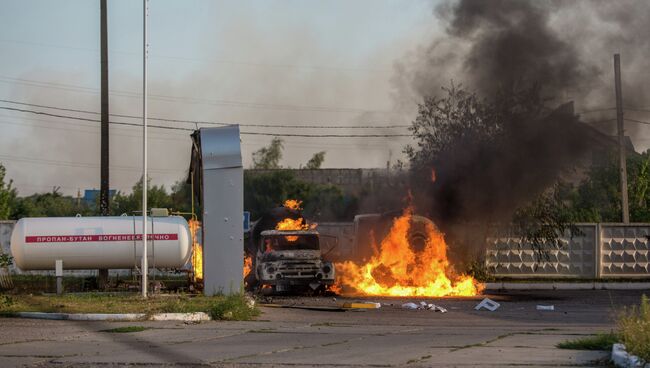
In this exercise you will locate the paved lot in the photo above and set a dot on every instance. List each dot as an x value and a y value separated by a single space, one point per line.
515 335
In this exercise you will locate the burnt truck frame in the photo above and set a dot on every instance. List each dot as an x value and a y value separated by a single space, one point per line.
292 260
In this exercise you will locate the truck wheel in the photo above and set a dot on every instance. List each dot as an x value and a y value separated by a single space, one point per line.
418 234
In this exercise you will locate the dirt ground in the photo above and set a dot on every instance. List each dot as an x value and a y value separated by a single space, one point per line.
514 335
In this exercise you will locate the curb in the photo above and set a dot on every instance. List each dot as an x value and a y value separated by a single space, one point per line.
621 358
567 285
123 317
186 317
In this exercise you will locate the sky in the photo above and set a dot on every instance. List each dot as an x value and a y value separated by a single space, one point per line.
319 63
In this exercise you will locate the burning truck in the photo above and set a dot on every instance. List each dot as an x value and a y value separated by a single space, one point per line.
392 254
284 253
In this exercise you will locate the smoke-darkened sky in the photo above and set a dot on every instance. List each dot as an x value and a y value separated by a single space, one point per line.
347 63
278 62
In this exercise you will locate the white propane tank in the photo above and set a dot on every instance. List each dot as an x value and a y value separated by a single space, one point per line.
99 242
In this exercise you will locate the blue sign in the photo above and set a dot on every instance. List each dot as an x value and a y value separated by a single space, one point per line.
247 221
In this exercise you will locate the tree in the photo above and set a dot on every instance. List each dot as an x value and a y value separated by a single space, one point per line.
157 197
546 219
263 192
442 123
7 195
52 204
315 161
598 197
181 197
478 160
269 157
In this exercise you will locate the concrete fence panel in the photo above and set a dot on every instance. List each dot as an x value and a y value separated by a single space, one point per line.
509 256
624 250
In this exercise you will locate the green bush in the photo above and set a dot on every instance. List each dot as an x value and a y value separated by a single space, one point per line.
478 270
233 307
602 341
6 260
5 302
634 325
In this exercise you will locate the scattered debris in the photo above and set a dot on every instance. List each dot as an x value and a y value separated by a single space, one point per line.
362 305
488 304
545 307
250 301
424 306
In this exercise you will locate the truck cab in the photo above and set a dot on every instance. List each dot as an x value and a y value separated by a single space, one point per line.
290 260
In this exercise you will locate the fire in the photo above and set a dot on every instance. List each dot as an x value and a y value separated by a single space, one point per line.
248 265
289 224
335 288
197 251
292 204
397 270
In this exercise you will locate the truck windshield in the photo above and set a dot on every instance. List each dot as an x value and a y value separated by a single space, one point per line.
290 242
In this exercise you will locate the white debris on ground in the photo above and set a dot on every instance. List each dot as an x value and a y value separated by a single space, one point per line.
621 358
424 306
488 304
545 307
250 301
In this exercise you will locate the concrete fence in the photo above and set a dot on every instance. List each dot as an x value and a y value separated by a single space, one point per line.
603 250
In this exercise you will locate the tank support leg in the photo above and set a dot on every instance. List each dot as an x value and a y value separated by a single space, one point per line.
59 276
102 279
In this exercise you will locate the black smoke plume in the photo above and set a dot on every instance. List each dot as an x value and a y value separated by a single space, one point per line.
502 50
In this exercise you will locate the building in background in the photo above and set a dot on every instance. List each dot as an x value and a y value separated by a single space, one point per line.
91 196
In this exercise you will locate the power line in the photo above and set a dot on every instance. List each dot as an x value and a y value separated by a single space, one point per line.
330 135
596 110
83 131
191 100
612 120
212 122
177 138
211 61
87 119
189 129
78 164
174 137
638 109
637 121
600 121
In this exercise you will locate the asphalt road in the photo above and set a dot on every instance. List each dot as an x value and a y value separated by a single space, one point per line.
514 335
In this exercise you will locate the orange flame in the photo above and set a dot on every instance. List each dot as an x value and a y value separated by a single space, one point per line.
433 175
248 265
397 270
292 204
289 224
197 251
335 288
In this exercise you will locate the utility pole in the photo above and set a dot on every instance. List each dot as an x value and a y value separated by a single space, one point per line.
145 182
104 185
102 279
621 138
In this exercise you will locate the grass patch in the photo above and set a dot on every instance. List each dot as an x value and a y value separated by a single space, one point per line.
24 284
234 307
127 329
602 341
634 327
